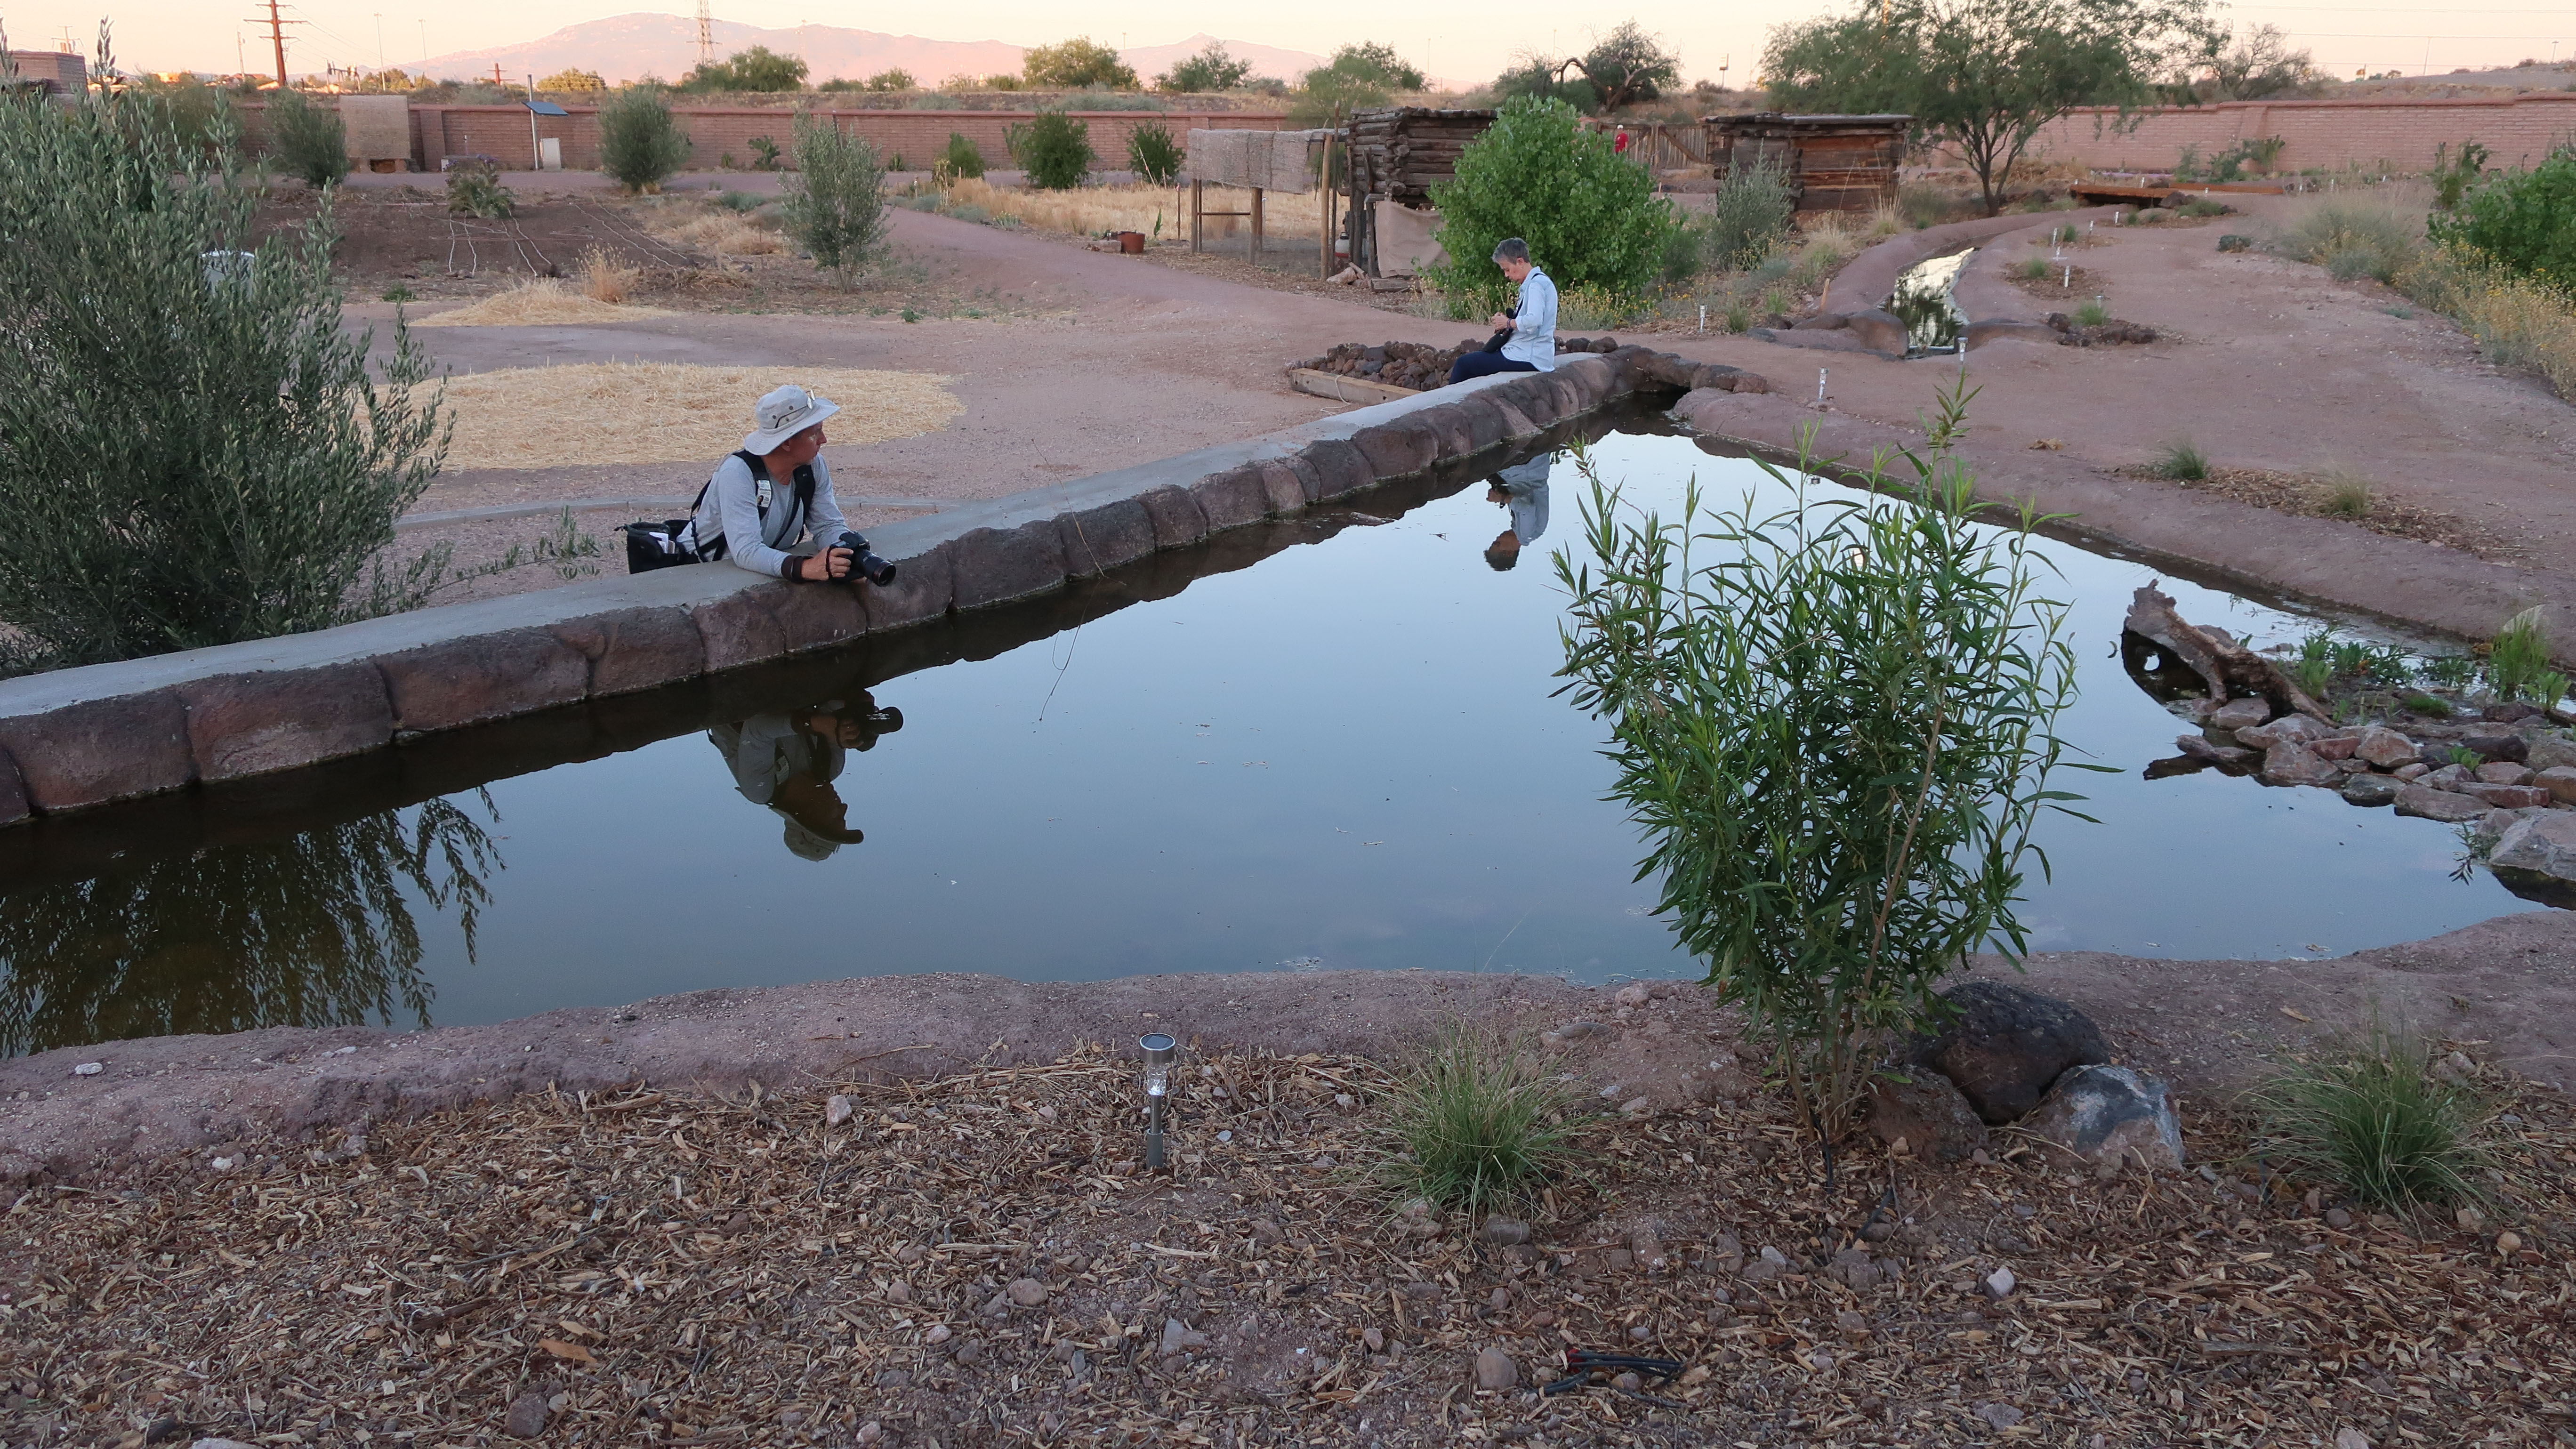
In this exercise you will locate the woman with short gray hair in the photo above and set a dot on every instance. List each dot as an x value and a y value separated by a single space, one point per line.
1525 336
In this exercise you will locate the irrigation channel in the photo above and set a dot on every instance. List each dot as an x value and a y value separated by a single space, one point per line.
1331 741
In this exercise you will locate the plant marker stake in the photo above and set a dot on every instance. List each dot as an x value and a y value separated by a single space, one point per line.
1158 1048
2069 283
1703 316
1820 387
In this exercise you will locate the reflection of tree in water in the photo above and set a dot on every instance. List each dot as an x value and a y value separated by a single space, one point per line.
311 931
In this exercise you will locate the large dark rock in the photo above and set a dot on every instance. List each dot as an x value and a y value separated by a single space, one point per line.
1883 331
102 749
1004 565
1097 540
483 677
2428 803
251 724
1286 491
1516 423
924 588
1449 429
2541 846
2498 744
640 648
814 616
1485 426
1398 449
1178 520
2007 1043
1340 467
738 629
2109 1117
1927 1113
1232 498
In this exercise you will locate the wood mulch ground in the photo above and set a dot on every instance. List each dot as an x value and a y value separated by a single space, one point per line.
2311 496
978 1260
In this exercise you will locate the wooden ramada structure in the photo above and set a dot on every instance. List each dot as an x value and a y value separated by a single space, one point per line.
1835 163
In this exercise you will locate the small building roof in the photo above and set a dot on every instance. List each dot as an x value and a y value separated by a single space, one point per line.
1784 118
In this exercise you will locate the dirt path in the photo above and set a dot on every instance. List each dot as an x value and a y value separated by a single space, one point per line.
2264 363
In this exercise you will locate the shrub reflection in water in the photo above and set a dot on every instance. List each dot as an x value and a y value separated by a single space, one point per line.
314 930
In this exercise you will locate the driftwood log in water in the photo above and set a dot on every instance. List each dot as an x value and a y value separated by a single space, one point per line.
2229 668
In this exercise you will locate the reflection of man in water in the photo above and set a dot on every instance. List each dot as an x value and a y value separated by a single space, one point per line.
1522 488
789 761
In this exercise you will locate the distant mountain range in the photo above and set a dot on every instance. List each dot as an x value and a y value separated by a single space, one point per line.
629 47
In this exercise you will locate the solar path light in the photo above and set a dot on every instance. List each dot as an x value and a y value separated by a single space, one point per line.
1158 1048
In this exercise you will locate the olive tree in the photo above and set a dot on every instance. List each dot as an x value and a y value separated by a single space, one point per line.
1835 734
193 450
640 141
836 196
1985 76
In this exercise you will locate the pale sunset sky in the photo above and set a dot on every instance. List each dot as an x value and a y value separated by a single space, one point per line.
1456 41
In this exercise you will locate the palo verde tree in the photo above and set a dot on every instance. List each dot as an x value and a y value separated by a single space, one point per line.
193 450
1984 76
1834 727
1590 218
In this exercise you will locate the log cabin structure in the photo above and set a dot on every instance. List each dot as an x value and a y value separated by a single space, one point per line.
1833 163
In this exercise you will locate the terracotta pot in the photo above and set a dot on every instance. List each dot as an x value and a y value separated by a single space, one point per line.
1131 242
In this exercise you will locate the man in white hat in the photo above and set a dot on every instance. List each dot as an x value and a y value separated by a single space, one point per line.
766 499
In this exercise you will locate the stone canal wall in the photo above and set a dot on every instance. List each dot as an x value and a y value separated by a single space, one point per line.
82 737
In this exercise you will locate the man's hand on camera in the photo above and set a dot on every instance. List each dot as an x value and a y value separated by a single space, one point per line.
831 563
1498 321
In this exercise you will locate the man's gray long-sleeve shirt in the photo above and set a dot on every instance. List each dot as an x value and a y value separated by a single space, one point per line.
732 512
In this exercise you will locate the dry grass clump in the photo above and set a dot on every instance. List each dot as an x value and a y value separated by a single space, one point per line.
1091 210
724 233
976 1261
663 412
608 277
537 302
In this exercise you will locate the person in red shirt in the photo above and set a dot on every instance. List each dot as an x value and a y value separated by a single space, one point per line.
1619 143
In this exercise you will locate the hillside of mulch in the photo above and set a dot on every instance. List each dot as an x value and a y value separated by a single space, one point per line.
979 1260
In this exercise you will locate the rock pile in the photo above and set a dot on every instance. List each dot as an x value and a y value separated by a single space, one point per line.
2009 1055
2071 333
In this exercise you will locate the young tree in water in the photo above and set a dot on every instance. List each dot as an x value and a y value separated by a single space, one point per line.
1985 76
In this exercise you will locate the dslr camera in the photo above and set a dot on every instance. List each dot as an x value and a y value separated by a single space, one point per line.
879 570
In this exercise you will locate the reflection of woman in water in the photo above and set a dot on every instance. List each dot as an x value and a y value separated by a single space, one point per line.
1522 488
789 762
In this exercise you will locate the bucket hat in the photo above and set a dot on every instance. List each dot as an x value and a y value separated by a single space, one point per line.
781 414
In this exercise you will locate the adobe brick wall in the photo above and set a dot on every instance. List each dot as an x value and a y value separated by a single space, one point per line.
2378 135
501 132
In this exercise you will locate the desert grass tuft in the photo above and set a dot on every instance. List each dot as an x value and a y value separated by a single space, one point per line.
607 277
2372 1116
1479 1122
2092 314
537 302
2181 461
2345 494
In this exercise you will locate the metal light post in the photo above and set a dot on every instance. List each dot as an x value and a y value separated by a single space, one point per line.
1158 1048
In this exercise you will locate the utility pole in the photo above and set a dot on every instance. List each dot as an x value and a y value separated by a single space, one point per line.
276 37
706 35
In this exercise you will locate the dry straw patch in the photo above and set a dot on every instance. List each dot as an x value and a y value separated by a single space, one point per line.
1091 210
2345 497
976 1261
724 233
539 302
662 412
607 277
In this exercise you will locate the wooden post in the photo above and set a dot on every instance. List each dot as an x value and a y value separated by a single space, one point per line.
1198 203
1256 223
1324 189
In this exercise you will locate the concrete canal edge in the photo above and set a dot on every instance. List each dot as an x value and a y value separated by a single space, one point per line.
77 738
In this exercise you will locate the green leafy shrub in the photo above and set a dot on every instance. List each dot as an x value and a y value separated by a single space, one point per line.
1748 216
1212 69
2454 175
1590 218
836 200
2427 705
640 143
2032 269
961 161
764 153
474 189
1835 737
308 138
192 451
2521 221
758 70
1074 64
2372 1117
2092 313
1481 1124
1055 150
1153 155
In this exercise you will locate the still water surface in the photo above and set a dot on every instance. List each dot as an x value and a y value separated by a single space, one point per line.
1348 756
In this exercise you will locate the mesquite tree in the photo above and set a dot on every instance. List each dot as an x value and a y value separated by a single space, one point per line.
836 198
1836 735
1985 76
192 449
